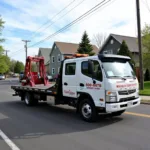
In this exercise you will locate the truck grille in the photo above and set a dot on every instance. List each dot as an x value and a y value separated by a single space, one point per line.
127 99
126 92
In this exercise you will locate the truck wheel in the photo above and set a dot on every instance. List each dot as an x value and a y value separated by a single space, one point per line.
118 113
87 110
28 99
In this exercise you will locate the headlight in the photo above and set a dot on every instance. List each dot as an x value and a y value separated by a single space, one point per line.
111 96
137 93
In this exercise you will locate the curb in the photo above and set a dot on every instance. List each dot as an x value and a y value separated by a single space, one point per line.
145 103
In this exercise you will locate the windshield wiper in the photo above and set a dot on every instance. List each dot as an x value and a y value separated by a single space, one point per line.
131 77
117 77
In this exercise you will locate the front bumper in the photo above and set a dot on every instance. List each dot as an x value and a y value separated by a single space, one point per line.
113 107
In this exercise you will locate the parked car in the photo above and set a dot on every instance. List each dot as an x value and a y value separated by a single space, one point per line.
2 77
15 75
49 77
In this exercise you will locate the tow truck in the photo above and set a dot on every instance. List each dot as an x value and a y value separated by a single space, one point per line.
92 84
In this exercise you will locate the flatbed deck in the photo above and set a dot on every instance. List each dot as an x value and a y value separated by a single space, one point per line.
48 90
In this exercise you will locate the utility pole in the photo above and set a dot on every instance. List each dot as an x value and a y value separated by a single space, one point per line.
6 52
26 50
140 44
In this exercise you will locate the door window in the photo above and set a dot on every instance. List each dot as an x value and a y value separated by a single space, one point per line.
97 70
70 69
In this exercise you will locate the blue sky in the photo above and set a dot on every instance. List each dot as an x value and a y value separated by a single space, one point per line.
23 17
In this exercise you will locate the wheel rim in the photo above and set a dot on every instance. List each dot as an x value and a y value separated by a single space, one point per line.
86 111
26 100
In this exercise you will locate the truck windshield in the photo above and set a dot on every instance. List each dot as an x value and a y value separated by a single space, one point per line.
118 69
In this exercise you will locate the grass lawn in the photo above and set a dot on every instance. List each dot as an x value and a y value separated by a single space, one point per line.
146 90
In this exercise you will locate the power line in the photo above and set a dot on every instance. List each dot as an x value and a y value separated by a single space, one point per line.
62 16
15 52
12 54
73 22
54 16
34 33
97 11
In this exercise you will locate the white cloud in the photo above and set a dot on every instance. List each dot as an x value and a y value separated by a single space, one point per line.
34 13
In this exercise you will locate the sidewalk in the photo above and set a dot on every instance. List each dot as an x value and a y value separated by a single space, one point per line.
145 97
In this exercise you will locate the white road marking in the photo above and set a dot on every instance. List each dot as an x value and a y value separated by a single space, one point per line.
8 141
2 116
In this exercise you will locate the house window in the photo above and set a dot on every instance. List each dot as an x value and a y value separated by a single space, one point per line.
53 59
53 70
110 51
105 52
58 58
112 41
70 69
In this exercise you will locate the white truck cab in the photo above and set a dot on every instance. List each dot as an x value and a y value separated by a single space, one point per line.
102 83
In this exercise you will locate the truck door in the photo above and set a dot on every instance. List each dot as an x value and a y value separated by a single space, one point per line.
69 80
94 86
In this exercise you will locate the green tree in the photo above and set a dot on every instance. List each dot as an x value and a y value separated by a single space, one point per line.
146 46
85 47
4 61
12 65
19 67
1 28
124 50
147 75
1 39
3 65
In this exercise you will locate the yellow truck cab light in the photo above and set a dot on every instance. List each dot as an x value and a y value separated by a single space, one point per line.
108 92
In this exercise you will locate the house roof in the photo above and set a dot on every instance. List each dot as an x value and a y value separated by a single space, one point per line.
45 53
131 41
71 48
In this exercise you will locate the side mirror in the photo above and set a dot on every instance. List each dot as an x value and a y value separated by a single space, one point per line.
132 65
90 67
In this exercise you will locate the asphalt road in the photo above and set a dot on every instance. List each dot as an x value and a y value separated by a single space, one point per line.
47 127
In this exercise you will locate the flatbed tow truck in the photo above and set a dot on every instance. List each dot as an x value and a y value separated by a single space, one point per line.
91 84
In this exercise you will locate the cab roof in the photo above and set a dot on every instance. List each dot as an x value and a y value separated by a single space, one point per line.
99 56
102 56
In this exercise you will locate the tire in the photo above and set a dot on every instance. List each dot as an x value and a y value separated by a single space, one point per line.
87 110
28 99
118 113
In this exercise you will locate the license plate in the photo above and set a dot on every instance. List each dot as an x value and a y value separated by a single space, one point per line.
130 103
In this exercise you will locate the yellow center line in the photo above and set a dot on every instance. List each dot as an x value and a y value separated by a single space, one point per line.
138 114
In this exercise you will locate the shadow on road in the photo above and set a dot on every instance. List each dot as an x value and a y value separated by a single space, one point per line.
31 122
